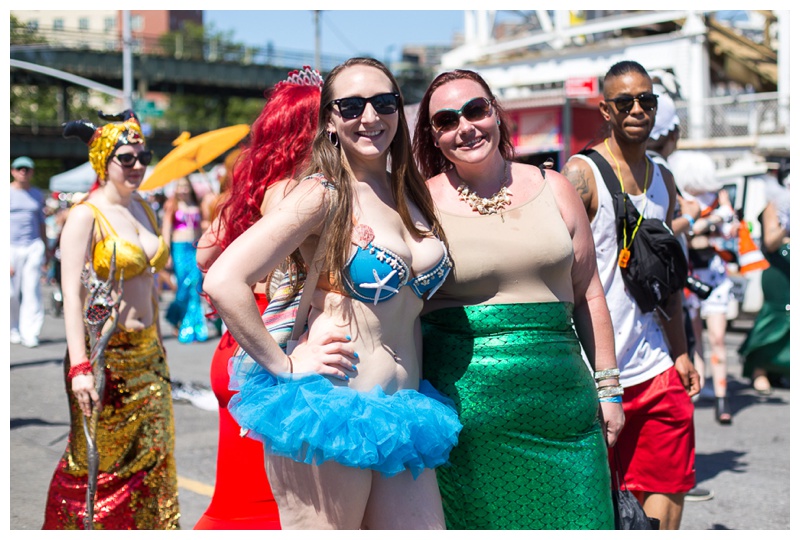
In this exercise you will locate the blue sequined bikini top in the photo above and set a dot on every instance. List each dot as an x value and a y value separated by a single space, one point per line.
374 273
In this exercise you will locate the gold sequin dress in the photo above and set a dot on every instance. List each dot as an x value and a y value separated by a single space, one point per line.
137 482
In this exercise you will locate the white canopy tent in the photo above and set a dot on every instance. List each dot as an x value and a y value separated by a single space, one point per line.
80 179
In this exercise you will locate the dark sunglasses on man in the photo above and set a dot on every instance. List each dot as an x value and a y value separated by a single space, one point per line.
473 110
353 107
129 160
23 170
647 101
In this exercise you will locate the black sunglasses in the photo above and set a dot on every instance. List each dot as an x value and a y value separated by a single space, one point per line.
23 169
646 100
353 107
129 160
473 110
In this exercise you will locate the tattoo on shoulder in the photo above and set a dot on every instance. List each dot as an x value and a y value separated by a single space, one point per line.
578 179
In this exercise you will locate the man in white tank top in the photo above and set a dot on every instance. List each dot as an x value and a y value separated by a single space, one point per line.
656 446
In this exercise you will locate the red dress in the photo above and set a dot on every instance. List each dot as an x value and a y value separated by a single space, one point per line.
242 497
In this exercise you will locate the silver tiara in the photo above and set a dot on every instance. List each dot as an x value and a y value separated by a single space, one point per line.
304 77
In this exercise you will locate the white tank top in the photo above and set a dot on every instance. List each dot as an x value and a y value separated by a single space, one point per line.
642 351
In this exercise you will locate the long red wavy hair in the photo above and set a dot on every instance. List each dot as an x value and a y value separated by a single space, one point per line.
278 147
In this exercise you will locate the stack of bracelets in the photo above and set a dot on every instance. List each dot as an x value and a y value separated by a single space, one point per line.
608 393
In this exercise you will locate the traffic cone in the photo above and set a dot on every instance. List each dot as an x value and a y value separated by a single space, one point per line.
750 257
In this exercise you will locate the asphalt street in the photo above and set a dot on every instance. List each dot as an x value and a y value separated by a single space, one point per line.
745 464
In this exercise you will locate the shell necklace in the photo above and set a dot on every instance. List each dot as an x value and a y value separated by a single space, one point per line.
487 205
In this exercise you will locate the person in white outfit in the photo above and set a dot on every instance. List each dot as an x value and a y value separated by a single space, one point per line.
28 254
656 447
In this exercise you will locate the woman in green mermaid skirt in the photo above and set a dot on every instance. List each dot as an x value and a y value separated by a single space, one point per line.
766 349
501 336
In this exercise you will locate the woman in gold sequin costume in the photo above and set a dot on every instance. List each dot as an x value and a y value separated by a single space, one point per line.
137 483
498 338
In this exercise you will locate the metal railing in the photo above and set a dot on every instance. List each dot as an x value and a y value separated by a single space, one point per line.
735 124
178 46
743 115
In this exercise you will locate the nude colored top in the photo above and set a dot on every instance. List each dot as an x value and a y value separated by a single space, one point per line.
522 257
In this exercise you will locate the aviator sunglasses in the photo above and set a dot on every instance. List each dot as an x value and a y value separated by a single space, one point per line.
473 110
129 160
353 107
646 100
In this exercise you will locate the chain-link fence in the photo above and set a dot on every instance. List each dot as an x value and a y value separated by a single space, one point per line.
728 125
746 115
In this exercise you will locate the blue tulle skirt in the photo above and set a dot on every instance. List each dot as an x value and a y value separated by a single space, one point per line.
308 419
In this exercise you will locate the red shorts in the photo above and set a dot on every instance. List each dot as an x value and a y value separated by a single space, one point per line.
656 446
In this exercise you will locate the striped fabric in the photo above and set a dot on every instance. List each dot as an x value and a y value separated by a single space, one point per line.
279 318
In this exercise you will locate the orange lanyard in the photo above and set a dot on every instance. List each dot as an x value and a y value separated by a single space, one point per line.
625 252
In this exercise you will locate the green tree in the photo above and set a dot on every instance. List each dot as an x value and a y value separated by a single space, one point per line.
198 114
22 34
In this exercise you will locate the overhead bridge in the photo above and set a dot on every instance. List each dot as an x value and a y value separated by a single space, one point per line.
221 79
151 73
154 73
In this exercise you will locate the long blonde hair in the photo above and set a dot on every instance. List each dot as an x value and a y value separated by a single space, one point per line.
406 180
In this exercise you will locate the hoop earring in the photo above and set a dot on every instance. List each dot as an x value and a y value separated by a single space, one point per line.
334 138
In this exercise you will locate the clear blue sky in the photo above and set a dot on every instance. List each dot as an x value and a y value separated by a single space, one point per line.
377 33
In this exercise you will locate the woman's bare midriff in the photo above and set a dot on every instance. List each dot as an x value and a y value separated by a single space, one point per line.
388 353
136 311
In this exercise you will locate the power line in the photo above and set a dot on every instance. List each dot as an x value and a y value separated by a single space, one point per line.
329 23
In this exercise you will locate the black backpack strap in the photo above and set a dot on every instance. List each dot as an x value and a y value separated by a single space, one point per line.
609 177
548 164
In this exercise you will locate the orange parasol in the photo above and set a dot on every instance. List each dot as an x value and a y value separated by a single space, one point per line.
191 153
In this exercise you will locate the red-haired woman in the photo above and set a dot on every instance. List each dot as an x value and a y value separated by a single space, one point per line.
280 141
504 334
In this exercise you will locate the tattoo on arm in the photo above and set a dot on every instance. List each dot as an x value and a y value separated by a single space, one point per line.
578 179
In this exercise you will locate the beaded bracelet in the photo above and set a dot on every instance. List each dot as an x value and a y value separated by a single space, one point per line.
614 399
610 391
84 368
612 373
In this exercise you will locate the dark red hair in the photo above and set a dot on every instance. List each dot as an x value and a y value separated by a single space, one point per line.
429 158
278 147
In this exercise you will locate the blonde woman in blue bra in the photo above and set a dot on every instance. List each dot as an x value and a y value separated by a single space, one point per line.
137 484
351 434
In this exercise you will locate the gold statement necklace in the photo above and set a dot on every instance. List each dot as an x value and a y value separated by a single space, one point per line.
625 252
487 205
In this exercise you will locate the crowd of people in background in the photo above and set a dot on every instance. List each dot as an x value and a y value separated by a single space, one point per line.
442 381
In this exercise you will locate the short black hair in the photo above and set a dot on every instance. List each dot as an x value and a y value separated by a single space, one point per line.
624 67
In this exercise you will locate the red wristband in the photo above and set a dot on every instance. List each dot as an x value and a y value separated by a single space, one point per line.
84 368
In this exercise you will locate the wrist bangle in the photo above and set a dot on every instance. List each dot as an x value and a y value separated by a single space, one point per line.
613 399
291 363
84 368
612 373
689 218
610 391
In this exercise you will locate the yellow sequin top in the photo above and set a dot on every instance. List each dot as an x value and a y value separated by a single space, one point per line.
131 258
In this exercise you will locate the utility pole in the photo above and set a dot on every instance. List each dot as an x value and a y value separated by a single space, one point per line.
127 62
317 41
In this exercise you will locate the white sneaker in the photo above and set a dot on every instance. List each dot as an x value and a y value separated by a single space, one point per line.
15 339
32 344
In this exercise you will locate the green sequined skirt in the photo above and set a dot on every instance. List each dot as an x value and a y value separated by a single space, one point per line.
531 454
